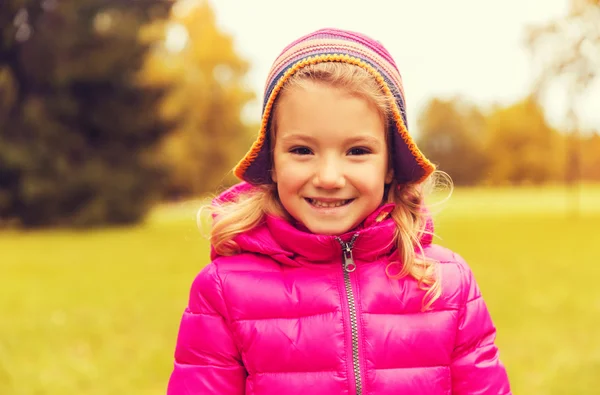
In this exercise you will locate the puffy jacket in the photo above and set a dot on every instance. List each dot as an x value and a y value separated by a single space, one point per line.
297 314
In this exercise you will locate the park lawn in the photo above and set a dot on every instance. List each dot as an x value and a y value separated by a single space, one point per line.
97 312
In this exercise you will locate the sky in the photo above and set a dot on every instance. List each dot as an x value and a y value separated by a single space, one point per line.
470 48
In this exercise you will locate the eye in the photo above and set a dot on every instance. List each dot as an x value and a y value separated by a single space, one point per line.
359 151
301 151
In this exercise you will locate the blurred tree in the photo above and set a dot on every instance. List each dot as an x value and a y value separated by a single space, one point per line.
590 157
208 95
450 134
568 49
521 146
76 125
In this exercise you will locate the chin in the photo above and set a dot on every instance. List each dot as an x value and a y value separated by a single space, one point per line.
328 230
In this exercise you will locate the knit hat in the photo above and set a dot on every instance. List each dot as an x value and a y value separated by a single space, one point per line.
334 45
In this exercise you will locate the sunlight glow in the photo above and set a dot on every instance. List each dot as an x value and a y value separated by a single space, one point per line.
177 37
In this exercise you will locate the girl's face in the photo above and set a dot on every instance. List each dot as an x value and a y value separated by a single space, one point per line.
330 157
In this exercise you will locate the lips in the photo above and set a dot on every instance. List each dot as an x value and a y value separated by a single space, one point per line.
329 203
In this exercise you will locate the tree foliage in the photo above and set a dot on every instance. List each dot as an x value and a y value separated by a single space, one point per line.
450 134
208 96
521 147
569 51
569 47
76 124
502 145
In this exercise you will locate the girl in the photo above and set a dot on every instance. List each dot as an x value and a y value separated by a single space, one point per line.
324 278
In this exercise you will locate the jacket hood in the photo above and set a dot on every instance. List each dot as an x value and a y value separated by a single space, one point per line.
294 245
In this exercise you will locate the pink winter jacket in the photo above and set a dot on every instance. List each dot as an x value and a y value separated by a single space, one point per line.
288 316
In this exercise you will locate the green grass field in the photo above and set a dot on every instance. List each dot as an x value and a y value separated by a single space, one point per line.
97 312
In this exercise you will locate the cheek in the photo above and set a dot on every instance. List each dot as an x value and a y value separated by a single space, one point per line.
372 187
289 185
292 172
369 175
290 179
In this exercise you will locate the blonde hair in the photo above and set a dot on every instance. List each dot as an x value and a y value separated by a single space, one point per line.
248 210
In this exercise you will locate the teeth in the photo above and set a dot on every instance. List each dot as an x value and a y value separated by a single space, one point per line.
318 203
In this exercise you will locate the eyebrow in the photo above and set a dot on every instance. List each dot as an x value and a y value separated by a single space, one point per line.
354 140
297 137
364 140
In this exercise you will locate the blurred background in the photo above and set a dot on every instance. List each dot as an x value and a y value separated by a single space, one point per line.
120 118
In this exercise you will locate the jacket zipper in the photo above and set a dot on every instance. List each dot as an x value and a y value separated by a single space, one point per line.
349 266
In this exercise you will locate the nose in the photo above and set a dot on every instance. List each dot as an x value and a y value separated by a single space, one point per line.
329 174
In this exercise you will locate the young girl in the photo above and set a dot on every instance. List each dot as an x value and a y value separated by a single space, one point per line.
324 278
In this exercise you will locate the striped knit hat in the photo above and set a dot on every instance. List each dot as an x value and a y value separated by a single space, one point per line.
334 45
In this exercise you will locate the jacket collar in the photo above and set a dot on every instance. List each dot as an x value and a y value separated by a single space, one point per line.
292 244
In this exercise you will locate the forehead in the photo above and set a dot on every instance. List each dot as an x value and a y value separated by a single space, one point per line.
323 112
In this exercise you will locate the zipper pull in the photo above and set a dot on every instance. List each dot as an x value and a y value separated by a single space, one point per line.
349 264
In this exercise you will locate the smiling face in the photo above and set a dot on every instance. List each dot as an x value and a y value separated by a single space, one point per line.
330 157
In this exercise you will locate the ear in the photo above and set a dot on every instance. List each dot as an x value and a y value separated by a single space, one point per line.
389 176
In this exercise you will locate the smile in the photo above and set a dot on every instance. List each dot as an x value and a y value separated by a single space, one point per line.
328 204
